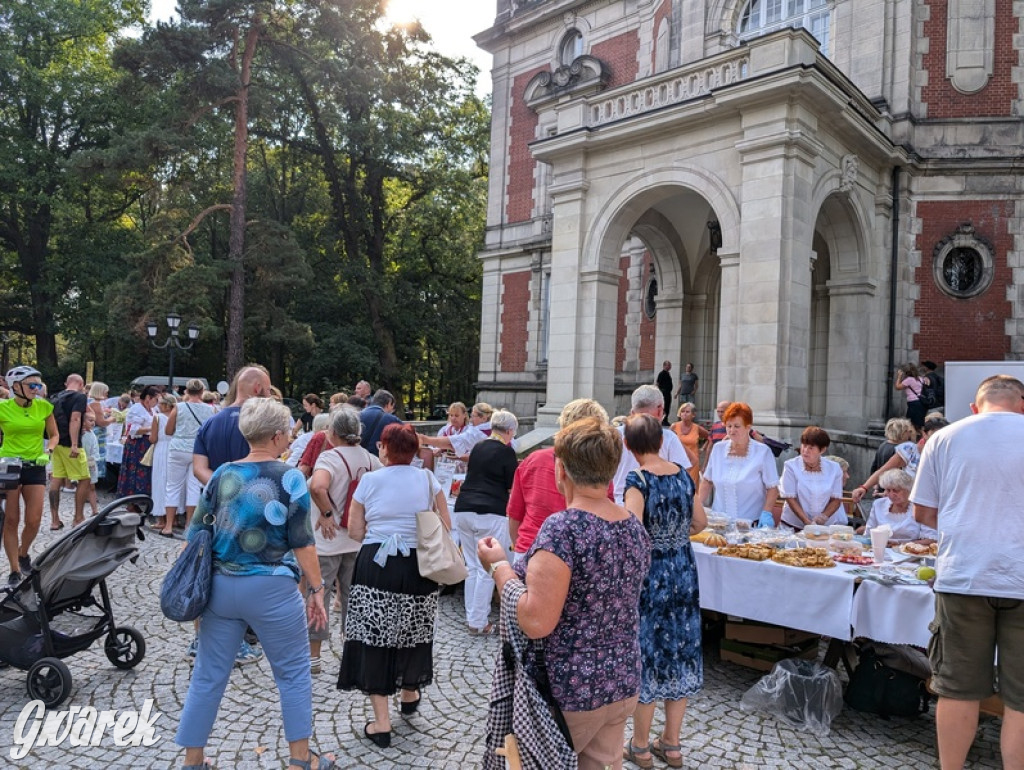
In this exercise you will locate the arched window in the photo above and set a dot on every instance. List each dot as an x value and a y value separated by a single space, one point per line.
762 16
570 48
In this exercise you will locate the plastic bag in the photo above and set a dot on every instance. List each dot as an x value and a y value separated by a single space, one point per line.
801 693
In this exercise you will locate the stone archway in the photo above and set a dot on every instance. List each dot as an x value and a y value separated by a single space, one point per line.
679 226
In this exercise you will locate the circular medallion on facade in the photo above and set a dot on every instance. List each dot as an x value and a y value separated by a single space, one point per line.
651 297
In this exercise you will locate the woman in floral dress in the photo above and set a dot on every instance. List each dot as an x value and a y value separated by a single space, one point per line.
661 494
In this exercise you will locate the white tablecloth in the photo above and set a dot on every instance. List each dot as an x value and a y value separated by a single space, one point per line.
819 601
895 614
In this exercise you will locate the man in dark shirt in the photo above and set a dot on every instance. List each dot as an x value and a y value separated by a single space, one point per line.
375 417
69 460
665 386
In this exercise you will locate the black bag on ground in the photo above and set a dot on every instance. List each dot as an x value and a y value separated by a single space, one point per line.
880 689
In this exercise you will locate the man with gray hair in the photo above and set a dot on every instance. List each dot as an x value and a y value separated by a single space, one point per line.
969 487
375 418
647 399
69 457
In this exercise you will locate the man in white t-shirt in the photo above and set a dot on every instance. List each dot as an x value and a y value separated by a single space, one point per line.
647 399
969 486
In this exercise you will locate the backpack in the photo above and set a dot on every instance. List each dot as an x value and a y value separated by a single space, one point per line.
879 689
352 484
60 413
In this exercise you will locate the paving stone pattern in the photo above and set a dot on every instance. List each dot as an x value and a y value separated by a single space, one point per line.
448 731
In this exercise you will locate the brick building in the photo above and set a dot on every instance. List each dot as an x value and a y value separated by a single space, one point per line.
794 195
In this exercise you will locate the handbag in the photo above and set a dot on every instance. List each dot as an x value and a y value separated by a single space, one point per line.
437 556
185 591
147 459
880 689
352 484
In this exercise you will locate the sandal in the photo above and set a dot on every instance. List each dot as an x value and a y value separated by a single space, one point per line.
661 750
630 752
322 763
409 707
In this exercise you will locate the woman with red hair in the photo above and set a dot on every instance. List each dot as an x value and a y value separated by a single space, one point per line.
741 473
389 628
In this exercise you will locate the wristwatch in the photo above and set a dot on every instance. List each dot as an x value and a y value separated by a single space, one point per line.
326 514
310 591
491 570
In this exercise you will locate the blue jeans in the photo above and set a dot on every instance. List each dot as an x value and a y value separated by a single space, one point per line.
274 608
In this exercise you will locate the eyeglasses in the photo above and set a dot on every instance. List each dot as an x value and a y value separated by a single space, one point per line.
380 445
34 385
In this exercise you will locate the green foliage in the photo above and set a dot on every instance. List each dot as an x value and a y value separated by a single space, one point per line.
366 191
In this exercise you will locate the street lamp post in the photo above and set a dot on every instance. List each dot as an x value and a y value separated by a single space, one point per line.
173 341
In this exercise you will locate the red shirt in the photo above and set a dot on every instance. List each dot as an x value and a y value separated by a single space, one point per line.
314 449
535 496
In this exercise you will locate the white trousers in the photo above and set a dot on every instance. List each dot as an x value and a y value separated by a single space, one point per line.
182 484
479 585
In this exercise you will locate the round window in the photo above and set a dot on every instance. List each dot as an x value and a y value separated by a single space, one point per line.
651 298
963 264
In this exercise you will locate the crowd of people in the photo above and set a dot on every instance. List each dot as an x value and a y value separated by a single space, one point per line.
589 540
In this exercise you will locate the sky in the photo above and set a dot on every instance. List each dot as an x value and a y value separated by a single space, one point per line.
451 23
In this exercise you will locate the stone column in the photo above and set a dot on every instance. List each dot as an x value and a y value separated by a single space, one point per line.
581 357
854 322
773 310
728 328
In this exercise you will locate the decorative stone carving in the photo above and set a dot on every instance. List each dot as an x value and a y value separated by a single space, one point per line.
584 75
970 43
848 173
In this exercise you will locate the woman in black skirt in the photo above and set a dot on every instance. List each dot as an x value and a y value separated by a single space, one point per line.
389 629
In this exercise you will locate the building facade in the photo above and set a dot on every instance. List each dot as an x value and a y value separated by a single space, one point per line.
794 195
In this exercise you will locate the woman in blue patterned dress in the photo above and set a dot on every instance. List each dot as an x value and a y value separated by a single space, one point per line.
257 510
661 494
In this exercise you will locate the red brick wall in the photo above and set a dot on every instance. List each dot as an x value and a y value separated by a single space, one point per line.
619 55
647 325
522 131
515 317
620 319
664 12
963 329
996 98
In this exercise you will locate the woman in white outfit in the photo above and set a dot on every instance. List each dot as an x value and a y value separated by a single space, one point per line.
741 472
161 443
480 511
182 426
812 485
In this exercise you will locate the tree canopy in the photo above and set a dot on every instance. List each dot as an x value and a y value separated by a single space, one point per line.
300 180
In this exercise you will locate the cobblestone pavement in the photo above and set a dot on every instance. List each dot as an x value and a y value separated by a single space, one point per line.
448 731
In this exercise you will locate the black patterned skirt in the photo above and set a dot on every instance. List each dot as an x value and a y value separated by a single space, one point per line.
389 628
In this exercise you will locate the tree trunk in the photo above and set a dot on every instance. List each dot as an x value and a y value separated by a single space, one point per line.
32 256
236 241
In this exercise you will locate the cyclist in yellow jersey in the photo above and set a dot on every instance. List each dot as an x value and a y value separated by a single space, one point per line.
24 419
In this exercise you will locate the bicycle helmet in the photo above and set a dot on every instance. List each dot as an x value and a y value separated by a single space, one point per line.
19 373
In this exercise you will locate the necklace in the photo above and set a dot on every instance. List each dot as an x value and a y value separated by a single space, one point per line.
813 468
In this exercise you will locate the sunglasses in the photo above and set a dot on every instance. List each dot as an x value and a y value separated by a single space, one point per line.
35 385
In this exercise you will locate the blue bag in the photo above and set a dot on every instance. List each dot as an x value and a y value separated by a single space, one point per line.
185 591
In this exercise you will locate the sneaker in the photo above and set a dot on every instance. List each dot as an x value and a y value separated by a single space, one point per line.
193 648
247 653
314 665
25 564
14 578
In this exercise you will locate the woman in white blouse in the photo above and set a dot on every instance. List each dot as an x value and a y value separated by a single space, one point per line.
893 508
812 485
741 472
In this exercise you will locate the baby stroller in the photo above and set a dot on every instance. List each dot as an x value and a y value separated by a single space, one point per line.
53 612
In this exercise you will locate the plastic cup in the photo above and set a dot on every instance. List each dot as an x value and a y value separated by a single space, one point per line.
879 539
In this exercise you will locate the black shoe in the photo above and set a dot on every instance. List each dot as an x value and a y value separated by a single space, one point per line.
381 739
25 564
410 707
14 578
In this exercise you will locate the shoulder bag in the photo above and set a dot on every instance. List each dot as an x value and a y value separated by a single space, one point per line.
185 591
438 557
353 482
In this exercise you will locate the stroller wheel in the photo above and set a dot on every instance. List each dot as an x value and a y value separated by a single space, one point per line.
125 647
49 680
